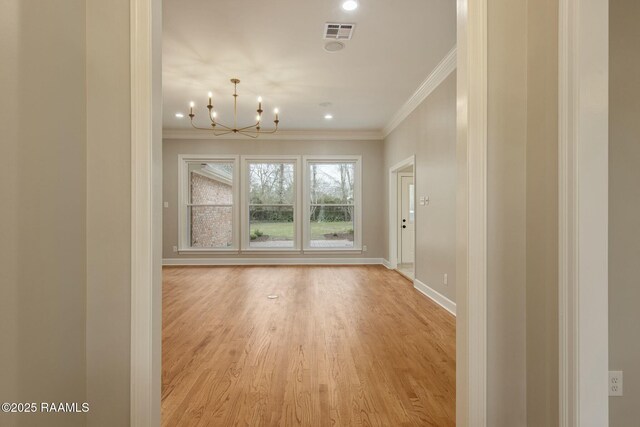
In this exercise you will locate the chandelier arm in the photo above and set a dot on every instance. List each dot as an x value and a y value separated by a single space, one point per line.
209 130
248 134
225 127
249 127
223 133
269 131
199 128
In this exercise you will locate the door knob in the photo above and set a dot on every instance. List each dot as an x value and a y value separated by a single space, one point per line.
404 226
404 220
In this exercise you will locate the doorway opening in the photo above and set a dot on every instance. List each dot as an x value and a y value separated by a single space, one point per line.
407 225
471 245
402 218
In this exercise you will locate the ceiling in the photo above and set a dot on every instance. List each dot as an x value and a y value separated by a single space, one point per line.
276 49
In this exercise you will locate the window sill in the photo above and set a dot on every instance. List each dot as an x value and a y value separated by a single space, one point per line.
255 251
332 250
207 251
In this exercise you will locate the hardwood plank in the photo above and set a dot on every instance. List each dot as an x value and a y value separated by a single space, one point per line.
341 346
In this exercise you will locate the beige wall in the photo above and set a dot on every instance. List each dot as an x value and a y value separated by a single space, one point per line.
429 132
506 192
108 212
522 213
542 214
42 224
624 207
372 198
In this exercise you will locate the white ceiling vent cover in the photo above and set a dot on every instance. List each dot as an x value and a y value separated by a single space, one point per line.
335 31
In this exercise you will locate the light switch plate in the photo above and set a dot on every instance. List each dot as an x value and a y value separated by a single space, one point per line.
166 204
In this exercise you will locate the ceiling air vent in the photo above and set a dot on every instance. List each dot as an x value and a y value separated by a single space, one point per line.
335 31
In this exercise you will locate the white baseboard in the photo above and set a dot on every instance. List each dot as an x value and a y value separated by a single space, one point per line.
387 264
436 296
271 261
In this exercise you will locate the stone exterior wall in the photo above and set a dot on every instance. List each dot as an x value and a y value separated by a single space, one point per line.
211 227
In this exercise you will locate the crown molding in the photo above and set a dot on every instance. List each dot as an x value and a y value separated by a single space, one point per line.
283 135
437 76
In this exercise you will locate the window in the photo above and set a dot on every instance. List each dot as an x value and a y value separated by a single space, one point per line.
412 205
270 215
332 203
269 211
207 196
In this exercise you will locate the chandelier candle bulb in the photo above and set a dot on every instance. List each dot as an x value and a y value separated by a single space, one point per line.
210 103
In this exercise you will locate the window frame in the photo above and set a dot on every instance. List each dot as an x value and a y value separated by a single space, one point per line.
245 243
307 160
183 202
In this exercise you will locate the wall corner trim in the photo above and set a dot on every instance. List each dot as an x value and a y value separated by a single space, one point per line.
387 263
433 80
145 374
436 296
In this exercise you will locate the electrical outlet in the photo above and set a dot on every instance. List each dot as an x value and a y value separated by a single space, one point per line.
364 248
615 383
445 279
166 204
175 249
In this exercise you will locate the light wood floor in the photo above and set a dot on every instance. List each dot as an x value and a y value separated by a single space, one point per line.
341 346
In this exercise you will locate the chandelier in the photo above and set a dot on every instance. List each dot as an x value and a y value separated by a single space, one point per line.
218 129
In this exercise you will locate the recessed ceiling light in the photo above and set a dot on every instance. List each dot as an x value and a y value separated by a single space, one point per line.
328 116
179 115
350 5
333 46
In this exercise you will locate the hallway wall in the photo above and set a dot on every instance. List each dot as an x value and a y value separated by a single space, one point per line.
542 214
624 207
42 213
506 213
108 212
522 209
429 132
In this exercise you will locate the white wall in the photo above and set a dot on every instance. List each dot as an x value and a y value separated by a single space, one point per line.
42 213
372 178
429 132
624 207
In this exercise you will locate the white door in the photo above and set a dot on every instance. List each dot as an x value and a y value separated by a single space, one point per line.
407 219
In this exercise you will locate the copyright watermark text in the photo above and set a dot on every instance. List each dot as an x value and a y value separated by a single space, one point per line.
46 407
